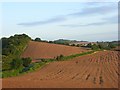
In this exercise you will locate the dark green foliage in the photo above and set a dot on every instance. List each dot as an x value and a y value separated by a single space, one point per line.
59 57
95 47
37 39
14 44
43 60
6 62
62 41
44 41
89 45
26 61
112 45
51 42
13 72
12 48
78 45
73 45
16 63
107 45
102 45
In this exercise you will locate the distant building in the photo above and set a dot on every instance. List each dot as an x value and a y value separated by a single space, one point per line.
82 43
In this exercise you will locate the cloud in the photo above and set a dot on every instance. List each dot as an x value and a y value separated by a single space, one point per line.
97 8
77 25
113 19
107 20
96 24
52 20
101 10
71 25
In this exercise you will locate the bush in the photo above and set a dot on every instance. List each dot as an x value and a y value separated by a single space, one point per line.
78 45
73 45
11 73
111 45
43 60
89 45
26 61
51 42
59 57
95 47
16 63
37 39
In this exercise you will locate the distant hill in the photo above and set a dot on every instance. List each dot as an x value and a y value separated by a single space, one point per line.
62 41
70 42
12 48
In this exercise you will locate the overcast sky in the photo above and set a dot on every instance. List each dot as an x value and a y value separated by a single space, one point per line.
77 21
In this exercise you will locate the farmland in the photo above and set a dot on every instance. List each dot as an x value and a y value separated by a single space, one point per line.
97 70
49 45
37 50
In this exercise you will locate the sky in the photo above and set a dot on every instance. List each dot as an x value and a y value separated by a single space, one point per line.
89 21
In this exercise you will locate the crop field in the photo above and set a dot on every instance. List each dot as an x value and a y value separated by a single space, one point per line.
37 50
97 70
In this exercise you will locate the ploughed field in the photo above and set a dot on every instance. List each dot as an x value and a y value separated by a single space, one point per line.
97 70
37 50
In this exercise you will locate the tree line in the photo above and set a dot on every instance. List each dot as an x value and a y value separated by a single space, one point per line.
12 48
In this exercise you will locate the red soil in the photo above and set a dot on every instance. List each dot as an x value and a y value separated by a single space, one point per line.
37 50
98 70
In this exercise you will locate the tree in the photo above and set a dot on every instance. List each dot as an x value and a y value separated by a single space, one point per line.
111 45
51 42
95 47
37 39
103 45
73 45
16 63
78 45
89 45
26 61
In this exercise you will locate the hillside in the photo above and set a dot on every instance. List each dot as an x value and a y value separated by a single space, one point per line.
37 50
12 48
98 70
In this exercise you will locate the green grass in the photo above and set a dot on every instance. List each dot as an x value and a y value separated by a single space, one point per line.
21 71
76 55
11 73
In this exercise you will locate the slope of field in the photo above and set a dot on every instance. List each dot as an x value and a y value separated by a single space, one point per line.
98 70
37 50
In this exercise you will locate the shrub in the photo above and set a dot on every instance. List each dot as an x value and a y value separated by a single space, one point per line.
43 60
73 45
51 42
37 39
78 45
59 57
26 61
16 63
95 47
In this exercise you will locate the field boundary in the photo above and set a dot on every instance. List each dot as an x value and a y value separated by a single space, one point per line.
38 65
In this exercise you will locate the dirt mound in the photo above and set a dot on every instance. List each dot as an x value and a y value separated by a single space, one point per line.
98 70
37 50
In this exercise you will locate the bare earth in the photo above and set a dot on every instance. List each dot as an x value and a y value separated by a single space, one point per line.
98 70
37 50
